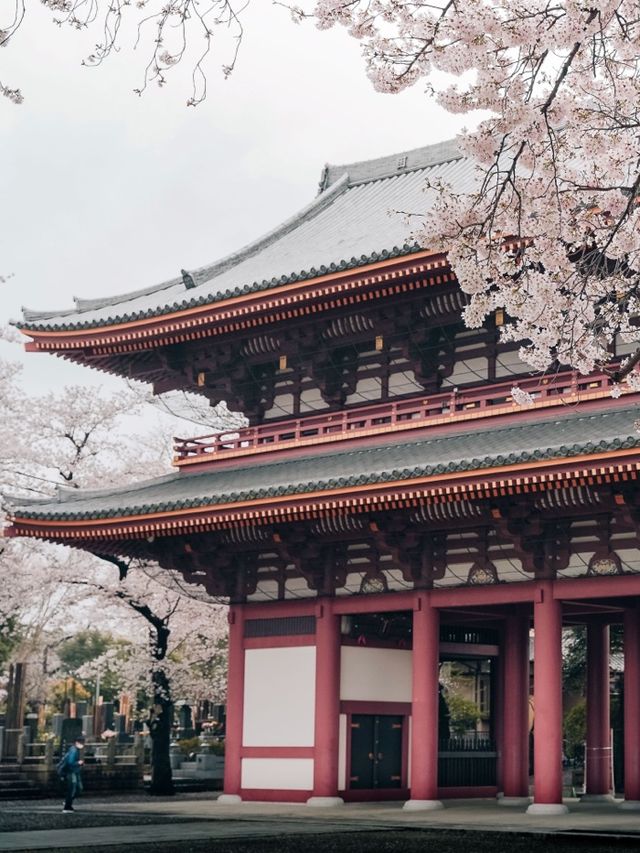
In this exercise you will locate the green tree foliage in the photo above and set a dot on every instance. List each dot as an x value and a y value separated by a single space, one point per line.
463 715
574 665
85 647
66 689
575 731
82 648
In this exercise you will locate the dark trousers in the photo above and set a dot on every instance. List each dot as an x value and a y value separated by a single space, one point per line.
73 787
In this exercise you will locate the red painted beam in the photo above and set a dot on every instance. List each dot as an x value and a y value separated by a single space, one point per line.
383 603
277 752
605 587
513 593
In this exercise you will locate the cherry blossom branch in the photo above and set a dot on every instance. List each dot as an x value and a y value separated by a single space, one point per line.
168 31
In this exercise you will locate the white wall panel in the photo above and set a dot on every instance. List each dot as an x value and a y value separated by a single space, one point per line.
278 773
375 675
279 696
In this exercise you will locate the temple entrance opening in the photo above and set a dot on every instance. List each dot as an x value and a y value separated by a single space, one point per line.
376 685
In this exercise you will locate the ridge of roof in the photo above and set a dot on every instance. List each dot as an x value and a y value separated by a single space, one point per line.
83 305
365 171
67 494
203 274
319 203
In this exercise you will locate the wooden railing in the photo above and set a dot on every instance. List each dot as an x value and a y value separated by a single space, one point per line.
436 409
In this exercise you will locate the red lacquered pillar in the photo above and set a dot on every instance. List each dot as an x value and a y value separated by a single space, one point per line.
325 764
235 708
547 698
598 781
632 708
515 711
424 706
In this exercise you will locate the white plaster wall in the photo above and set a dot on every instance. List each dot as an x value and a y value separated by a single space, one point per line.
375 675
466 371
277 773
342 752
279 696
367 389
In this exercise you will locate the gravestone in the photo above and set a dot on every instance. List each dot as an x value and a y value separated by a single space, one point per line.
71 729
120 726
56 724
185 722
31 724
107 712
87 726
16 697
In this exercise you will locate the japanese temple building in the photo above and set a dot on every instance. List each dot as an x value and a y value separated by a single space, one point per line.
387 509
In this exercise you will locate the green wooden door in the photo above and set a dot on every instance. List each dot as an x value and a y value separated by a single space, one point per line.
376 751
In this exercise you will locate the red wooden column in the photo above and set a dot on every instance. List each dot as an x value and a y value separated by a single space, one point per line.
235 708
632 707
515 711
327 719
598 781
424 706
547 699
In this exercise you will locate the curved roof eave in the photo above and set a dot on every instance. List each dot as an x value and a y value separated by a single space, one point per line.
354 221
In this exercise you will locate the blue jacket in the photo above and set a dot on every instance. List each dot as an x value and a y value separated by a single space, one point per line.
71 761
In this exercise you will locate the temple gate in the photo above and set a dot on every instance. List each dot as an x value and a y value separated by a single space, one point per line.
387 519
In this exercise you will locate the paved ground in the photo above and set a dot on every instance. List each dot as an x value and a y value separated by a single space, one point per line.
189 823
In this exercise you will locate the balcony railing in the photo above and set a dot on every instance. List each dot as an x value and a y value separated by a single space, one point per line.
437 409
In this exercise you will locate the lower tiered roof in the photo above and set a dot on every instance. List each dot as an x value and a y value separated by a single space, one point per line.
582 443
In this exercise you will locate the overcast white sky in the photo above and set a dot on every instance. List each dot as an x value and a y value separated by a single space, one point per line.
105 192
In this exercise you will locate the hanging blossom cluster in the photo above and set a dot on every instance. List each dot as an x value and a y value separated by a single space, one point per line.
549 231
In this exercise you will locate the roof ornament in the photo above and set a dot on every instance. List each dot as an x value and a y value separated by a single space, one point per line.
188 279
323 179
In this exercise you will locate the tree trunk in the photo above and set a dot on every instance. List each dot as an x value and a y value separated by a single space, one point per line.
160 730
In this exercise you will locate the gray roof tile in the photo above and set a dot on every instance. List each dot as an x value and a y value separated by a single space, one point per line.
354 221
470 450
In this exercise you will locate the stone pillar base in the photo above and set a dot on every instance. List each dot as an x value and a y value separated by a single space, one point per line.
513 801
229 799
547 809
596 798
422 806
325 802
630 805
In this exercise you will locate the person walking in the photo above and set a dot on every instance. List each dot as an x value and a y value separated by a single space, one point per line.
70 768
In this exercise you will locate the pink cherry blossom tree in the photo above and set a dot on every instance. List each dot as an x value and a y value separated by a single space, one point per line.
83 437
549 231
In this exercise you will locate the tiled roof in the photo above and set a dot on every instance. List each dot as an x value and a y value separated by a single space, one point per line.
355 220
557 438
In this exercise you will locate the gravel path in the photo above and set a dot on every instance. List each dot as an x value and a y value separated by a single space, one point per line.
24 819
407 841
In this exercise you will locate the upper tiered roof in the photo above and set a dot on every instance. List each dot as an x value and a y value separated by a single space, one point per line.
356 220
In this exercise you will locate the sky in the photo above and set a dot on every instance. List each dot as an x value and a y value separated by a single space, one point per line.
105 192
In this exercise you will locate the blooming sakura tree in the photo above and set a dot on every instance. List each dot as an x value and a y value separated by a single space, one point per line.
73 439
184 653
549 232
